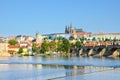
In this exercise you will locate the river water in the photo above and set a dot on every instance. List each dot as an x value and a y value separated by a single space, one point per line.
59 68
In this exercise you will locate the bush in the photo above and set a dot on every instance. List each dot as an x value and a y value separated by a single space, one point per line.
13 42
26 55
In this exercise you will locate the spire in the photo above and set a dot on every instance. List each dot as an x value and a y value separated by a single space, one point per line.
66 30
70 25
37 33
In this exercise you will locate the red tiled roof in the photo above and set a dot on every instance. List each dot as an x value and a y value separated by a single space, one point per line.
11 51
107 34
81 33
14 46
2 37
97 44
28 43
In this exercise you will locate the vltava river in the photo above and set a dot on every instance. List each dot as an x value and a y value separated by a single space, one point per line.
59 68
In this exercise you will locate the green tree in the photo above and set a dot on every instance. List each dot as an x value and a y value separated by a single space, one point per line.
82 39
59 45
115 39
52 46
50 37
78 44
72 46
71 38
44 47
13 42
46 38
35 48
107 39
93 39
60 38
99 39
103 39
20 50
66 46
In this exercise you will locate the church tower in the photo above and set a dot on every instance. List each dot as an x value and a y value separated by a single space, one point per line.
38 37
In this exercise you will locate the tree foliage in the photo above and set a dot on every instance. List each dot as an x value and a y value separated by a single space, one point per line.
72 46
20 50
44 47
103 39
82 39
59 45
106 39
13 42
66 46
35 47
93 39
78 44
60 38
52 46
62 45
71 38
50 37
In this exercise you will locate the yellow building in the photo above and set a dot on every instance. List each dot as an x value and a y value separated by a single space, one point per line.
13 49
4 49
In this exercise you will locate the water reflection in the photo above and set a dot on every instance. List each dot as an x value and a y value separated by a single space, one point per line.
58 68
78 61
45 72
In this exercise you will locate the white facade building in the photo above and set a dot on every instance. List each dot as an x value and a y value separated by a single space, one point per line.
107 35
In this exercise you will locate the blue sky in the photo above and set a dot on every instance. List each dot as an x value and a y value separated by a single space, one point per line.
51 16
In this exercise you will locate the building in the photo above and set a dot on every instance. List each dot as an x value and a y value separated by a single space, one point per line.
20 38
25 44
55 36
112 36
4 49
38 37
3 39
82 34
29 38
77 33
13 49
3 46
11 37
70 29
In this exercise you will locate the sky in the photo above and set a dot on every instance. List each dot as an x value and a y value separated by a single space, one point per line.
26 17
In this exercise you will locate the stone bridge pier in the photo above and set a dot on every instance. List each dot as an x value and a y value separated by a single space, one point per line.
99 51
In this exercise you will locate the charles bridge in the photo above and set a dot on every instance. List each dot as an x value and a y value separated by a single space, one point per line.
98 51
